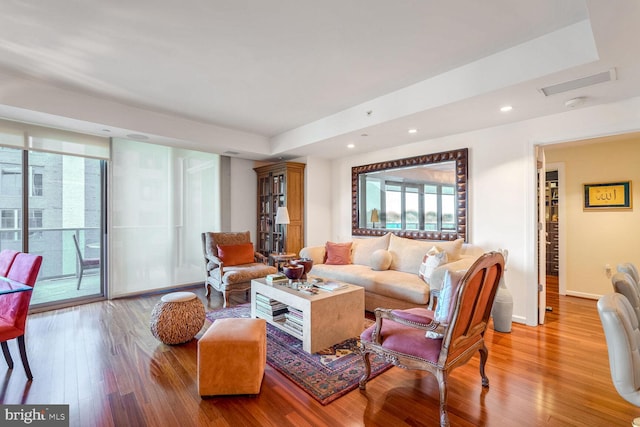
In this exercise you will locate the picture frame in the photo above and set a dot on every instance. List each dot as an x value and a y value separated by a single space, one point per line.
610 195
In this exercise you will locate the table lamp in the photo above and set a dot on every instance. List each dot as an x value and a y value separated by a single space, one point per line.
282 218
374 217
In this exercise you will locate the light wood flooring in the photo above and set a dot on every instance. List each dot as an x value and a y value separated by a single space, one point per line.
101 359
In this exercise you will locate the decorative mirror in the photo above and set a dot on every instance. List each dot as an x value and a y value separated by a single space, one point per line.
423 197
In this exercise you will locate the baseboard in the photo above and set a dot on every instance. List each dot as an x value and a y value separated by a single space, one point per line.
583 295
519 319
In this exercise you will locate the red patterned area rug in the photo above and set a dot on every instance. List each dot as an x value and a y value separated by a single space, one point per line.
326 375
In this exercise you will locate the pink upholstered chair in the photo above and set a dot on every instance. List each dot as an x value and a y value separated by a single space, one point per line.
14 307
439 341
6 259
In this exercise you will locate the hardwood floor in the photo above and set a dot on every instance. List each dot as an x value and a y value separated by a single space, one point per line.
101 359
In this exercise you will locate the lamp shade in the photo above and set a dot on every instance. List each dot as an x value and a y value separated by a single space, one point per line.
282 215
374 215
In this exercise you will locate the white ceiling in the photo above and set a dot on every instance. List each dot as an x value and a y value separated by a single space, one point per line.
285 78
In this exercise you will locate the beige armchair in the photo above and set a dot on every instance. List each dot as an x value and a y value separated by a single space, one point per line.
225 277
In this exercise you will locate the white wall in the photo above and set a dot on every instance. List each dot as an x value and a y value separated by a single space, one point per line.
243 196
497 206
502 184
318 201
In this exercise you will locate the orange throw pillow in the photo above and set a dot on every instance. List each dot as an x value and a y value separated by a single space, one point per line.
338 253
236 254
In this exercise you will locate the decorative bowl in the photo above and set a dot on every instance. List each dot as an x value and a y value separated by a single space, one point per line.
293 272
307 263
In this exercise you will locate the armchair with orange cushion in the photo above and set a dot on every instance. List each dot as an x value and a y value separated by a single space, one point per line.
441 340
231 262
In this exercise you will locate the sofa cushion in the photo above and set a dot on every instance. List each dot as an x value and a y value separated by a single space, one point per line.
388 283
316 253
407 254
236 254
243 273
431 260
338 253
437 277
453 248
380 260
363 249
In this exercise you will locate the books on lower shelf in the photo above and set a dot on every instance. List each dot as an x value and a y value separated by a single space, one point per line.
291 330
293 321
289 318
270 309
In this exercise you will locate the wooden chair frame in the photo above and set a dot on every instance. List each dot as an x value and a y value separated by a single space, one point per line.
462 336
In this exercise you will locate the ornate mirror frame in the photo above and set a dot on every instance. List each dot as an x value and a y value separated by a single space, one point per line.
460 157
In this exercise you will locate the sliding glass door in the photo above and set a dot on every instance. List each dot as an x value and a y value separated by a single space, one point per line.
52 205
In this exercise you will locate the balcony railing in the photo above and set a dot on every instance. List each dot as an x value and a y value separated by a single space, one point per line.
58 277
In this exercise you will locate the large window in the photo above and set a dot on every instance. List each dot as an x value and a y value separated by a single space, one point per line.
162 199
51 190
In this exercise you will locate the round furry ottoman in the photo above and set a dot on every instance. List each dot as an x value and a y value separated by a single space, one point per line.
177 318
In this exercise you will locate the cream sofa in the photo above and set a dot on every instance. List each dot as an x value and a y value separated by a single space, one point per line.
387 268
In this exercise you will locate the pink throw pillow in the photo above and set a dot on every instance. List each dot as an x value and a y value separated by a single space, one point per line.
338 253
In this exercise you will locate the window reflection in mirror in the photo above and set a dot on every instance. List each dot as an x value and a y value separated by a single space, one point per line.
414 197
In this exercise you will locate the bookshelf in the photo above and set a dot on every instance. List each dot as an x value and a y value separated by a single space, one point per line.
280 184
551 216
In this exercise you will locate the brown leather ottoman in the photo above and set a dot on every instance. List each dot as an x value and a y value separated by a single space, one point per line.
232 355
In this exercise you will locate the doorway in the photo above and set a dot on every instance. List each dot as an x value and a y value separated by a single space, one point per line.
552 213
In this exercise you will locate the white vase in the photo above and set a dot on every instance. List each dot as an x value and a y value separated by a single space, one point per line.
502 310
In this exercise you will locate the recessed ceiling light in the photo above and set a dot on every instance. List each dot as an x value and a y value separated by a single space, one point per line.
506 108
351 145
413 130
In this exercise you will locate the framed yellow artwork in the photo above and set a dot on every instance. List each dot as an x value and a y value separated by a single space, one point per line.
612 195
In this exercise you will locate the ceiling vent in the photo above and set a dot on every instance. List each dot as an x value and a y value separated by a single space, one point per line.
230 153
605 76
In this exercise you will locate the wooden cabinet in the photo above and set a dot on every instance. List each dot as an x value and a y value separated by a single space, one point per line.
551 214
280 184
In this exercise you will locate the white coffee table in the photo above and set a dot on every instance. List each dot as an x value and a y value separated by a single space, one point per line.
328 317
